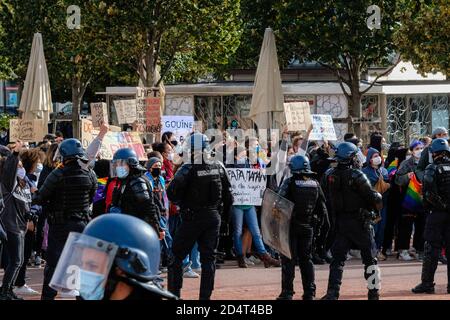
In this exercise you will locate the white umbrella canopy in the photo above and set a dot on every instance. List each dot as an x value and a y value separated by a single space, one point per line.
36 99
267 109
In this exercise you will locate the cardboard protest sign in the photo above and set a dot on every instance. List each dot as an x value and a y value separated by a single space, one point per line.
323 128
141 119
99 112
113 141
27 130
153 114
298 116
180 126
247 185
126 111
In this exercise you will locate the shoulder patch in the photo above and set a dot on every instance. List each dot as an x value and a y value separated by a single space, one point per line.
306 183
203 173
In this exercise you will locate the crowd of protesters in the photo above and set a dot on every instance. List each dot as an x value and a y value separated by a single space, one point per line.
390 169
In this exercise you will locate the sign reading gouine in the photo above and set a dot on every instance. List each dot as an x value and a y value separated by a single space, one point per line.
27 130
113 141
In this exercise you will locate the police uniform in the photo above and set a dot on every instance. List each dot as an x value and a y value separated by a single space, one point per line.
436 194
351 201
201 191
68 194
309 207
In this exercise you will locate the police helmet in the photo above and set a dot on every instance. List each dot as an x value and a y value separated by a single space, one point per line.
345 152
300 164
139 247
439 145
129 156
72 149
198 142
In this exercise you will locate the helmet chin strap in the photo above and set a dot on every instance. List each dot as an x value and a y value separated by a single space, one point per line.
112 282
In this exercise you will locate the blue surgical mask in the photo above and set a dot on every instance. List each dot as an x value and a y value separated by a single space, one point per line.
91 285
21 173
122 172
39 168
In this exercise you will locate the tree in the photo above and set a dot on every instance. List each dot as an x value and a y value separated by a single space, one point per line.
194 35
336 35
424 34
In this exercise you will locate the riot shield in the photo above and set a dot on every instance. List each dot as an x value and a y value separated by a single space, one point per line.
276 221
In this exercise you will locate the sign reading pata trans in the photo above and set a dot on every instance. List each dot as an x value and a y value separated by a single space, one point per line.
247 185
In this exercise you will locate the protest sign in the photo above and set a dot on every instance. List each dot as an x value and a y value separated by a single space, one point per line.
27 130
126 111
247 185
180 126
298 116
99 112
113 141
323 128
153 114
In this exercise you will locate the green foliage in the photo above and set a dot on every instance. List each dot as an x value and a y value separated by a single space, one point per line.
4 120
424 34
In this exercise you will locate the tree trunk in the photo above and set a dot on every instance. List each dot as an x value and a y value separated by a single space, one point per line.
354 102
77 98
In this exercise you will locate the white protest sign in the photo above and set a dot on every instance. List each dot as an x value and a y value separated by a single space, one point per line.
180 126
323 128
126 111
99 112
27 130
298 116
247 185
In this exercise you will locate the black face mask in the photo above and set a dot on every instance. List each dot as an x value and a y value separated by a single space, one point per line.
156 172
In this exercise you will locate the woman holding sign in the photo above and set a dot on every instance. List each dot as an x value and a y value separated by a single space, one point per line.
247 212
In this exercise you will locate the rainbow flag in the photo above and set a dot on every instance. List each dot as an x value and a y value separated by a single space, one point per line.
100 194
392 168
413 197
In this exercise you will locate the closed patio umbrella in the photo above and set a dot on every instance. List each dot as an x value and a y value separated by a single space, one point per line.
267 109
36 99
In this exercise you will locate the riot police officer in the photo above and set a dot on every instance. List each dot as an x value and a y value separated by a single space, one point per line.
309 200
115 258
436 195
352 201
130 191
202 190
67 192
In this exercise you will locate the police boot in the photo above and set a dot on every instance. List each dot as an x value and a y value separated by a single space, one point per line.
286 295
373 294
308 280
269 261
429 265
332 294
4 294
241 262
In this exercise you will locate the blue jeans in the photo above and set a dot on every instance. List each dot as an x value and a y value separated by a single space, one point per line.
195 257
251 220
166 243
174 225
379 227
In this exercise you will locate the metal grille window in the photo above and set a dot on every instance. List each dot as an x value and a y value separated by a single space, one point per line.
440 111
219 111
396 122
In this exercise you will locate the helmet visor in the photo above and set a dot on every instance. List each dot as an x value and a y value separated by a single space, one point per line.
118 164
84 266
